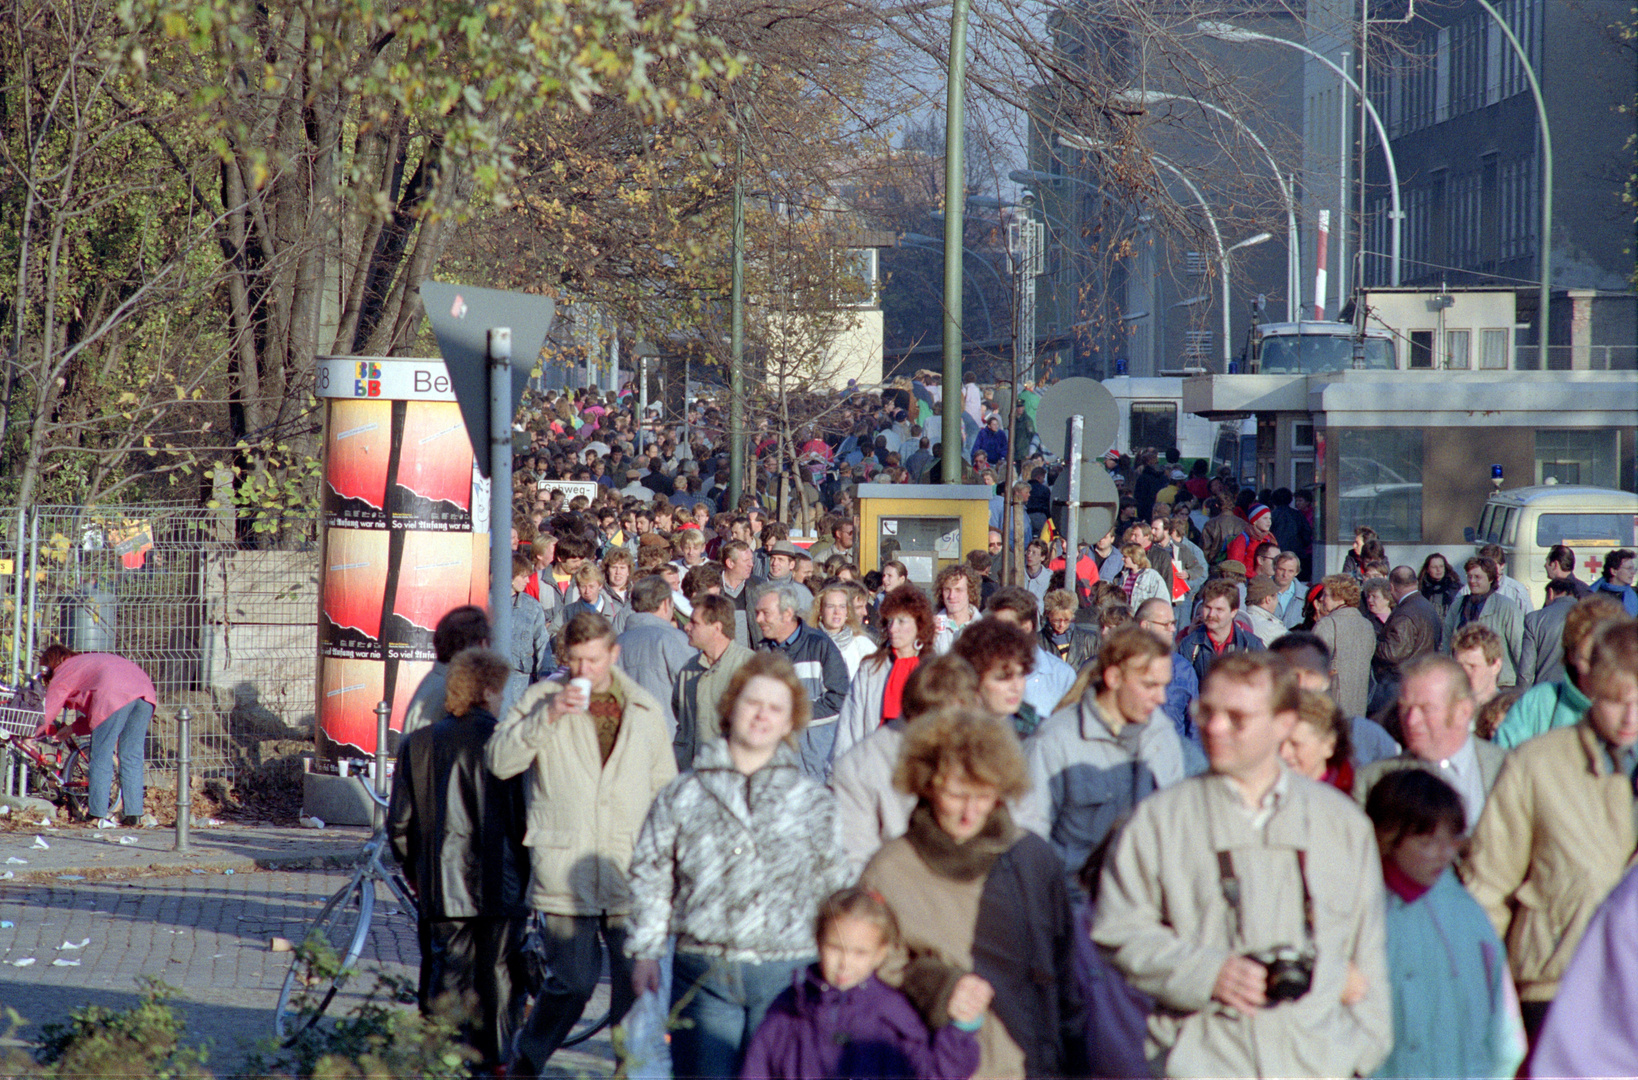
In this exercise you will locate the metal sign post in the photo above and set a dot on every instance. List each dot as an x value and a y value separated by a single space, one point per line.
1072 516
501 410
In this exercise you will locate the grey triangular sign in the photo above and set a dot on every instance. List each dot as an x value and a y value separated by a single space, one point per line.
461 317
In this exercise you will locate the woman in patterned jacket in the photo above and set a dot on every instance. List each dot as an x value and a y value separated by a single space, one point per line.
734 859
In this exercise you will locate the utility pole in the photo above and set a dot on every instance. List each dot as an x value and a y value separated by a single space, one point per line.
955 205
736 347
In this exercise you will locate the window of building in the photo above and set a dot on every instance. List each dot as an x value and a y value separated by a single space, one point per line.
1196 344
1421 348
1456 349
1576 457
1493 349
858 279
1380 483
1154 424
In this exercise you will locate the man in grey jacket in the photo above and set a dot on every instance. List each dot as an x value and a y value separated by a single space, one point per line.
1541 658
704 679
652 650
1093 761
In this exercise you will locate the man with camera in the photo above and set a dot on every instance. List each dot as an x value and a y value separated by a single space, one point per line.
1248 902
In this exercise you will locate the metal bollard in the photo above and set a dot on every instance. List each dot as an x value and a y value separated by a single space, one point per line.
184 776
383 713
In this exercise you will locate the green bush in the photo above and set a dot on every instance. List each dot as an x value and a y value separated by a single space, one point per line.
144 1040
380 1039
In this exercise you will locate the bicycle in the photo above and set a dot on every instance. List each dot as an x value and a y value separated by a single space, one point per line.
62 776
321 967
325 956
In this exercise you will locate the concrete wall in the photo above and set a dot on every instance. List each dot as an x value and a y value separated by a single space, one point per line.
261 636
856 352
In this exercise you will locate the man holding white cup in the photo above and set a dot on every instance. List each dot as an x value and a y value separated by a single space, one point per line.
596 749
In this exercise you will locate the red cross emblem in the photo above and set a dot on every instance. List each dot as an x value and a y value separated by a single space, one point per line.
1594 565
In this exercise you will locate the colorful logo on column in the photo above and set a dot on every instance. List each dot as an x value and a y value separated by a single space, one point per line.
367 379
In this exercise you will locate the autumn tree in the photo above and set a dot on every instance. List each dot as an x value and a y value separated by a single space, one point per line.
239 187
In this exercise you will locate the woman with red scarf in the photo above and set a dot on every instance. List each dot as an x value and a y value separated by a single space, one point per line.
1318 746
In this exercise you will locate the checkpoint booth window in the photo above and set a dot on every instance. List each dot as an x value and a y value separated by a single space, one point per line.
924 526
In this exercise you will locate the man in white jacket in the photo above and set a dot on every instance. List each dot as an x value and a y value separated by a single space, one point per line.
595 761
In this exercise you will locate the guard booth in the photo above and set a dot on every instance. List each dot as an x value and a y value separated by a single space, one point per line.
924 526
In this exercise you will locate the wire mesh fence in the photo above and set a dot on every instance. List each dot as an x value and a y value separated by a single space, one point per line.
223 624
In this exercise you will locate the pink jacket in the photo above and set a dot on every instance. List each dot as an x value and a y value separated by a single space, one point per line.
94 685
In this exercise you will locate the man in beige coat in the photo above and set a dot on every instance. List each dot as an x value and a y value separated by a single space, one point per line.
595 762
1214 872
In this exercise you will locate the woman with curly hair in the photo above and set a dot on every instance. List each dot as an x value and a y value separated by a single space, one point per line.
981 901
1138 580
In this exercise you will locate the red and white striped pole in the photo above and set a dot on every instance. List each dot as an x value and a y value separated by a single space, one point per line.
1321 255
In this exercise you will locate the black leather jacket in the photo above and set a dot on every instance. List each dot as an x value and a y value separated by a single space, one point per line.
455 828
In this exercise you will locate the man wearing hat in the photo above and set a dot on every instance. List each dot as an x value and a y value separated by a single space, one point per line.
1259 527
634 487
782 561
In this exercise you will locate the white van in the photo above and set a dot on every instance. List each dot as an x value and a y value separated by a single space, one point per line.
1527 522
1151 415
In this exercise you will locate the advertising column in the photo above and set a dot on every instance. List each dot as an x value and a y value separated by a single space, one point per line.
405 538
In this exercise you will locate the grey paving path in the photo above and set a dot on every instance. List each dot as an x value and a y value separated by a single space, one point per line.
78 851
205 934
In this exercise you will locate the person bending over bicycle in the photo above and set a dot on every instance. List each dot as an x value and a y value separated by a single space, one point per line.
114 700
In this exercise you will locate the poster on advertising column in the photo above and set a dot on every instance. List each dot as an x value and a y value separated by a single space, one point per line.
401 544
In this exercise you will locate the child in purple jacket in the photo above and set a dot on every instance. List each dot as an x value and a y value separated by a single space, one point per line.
839 1020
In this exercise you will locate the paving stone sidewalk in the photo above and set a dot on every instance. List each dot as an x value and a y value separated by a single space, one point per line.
141 909
77 850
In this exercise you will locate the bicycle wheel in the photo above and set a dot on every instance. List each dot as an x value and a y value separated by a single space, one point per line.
75 782
324 959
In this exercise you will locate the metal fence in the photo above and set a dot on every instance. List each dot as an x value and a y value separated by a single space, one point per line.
224 624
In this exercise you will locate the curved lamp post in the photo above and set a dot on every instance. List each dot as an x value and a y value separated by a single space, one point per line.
1076 142
1144 98
1231 33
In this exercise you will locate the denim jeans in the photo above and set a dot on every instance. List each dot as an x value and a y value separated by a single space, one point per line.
723 1002
816 745
126 729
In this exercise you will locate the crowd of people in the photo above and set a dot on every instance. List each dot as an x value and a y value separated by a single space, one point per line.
1160 806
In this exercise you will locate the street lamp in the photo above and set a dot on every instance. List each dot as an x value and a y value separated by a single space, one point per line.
955 185
1250 241
1076 142
1231 33
1145 98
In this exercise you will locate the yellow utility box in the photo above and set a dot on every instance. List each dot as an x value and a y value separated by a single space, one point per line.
924 526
